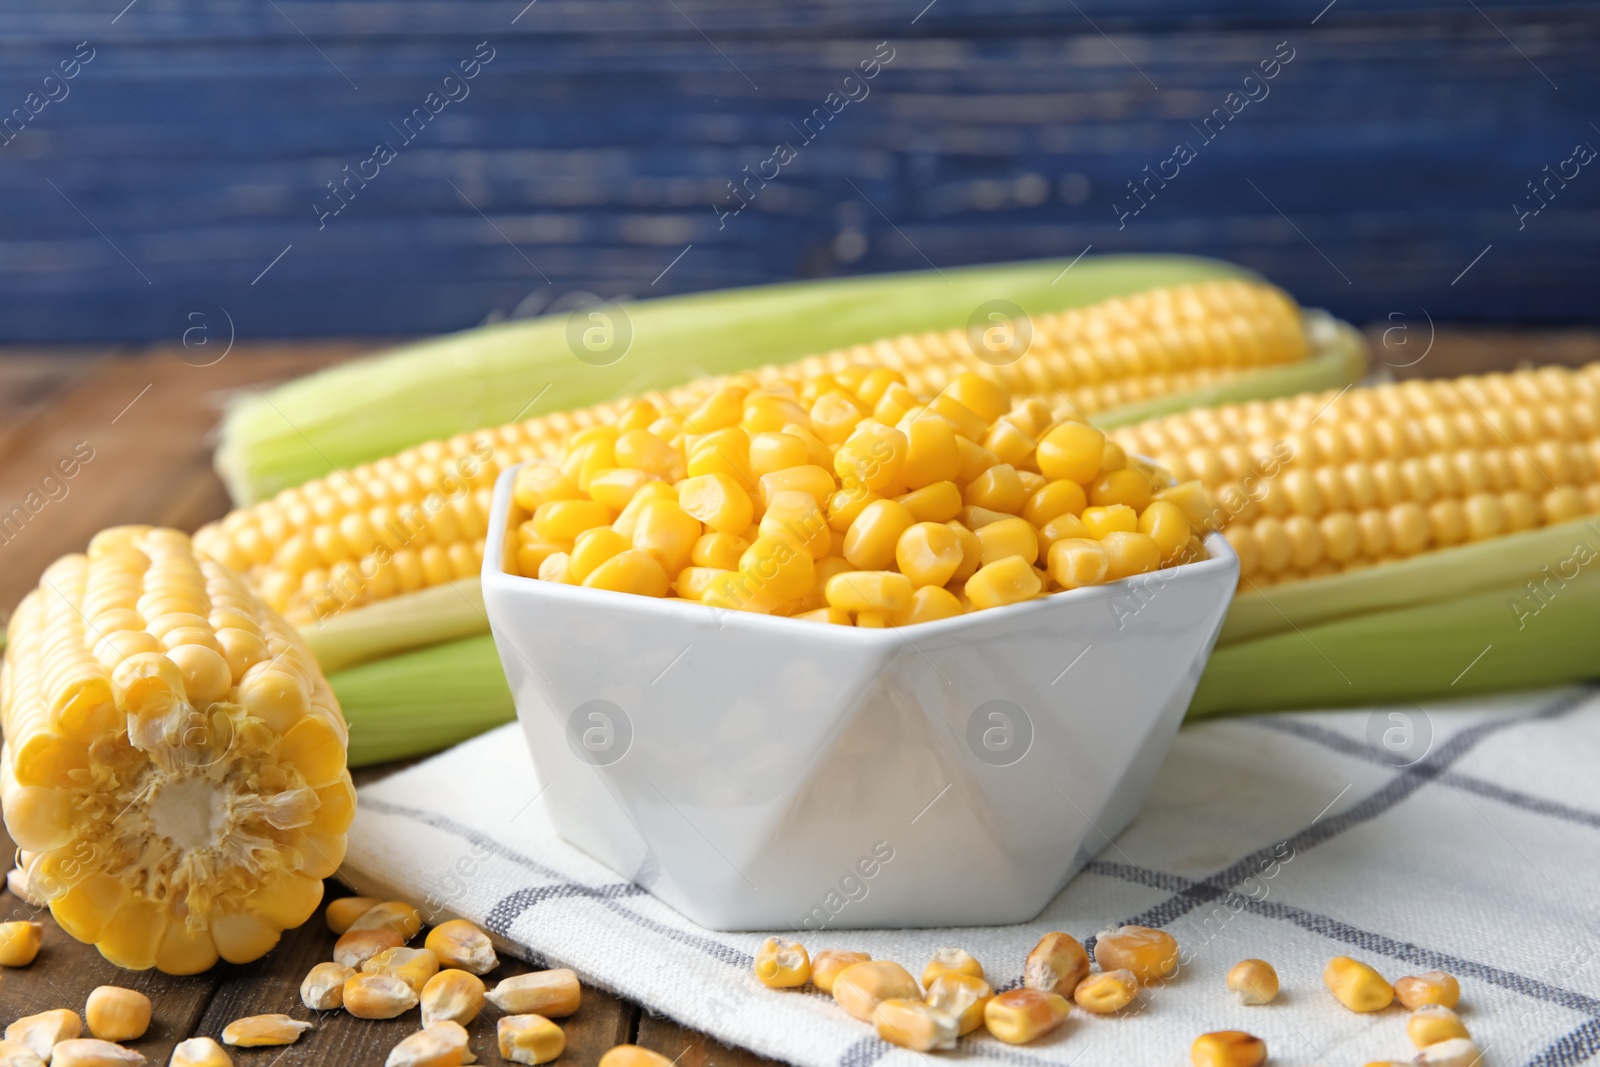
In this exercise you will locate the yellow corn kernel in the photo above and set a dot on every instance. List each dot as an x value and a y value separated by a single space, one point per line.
322 989
963 996
633 1056
976 518
1163 522
846 505
1073 451
971 552
1006 581
1434 987
632 571
834 616
92 1052
1079 561
725 451
935 502
540 483
809 479
1019 1016
1062 526
782 964
375 996
988 400
1193 501
42 1032
776 451
1129 487
1056 964
529 1039
930 604
914 1025
1115 518
19 943
1150 954
872 620
356 947
258 1031
554 993
928 553
531 556
723 408
719 551
950 961
413 966
778 567
860 988
799 516
718 501
117 1014
998 489
645 451
1106 992
1008 440
340 913
1129 554
1253 981
668 533
452 995
871 540
969 424
1060 497
1008 537
884 592
1113 458
1456 1052
615 487
1228 1048
1433 1023
199 1052
564 520
932 452
395 915
872 456
592 548
1358 987
829 963
628 520
443 1044
460 944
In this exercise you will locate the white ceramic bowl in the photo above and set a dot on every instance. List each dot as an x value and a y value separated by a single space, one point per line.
762 773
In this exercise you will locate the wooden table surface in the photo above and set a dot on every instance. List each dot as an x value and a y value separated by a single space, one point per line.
149 418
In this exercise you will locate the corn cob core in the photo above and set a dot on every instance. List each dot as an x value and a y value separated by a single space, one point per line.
174 762
418 519
1329 482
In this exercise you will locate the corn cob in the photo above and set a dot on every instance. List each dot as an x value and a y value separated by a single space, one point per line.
376 407
363 535
174 762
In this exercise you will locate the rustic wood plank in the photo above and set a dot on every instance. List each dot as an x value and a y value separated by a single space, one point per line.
689 1047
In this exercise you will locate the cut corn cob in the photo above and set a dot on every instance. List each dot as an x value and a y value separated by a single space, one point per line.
376 407
174 760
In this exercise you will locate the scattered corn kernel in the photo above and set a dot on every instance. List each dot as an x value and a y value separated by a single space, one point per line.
394 915
339 914
199 1052
1106 992
829 963
1358 987
375 996
1457 1052
256 1031
859 989
460 944
782 964
117 1014
19 943
440 1045
1433 1023
1434 987
413 966
1150 954
1019 1016
961 995
93 1052
452 995
553 994
356 947
914 1025
323 986
1228 1048
44 1031
950 961
633 1056
1056 965
16 1054
1253 981
530 1039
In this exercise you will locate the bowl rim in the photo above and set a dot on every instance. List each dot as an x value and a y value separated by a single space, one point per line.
1221 558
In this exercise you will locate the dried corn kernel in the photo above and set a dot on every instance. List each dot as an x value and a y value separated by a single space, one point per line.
44 1031
462 945
633 1056
376 996
530 1039
950 961
1358 987
1056 964
92 1052
452 995
256 1031
199 1052
1228 1048
963 996
553 993
1433 1023
1019 1016
19 943
829 963
859 989
339 914
395 915
356 947
1150 954
1457 1052
117 1014
914 1025
440 1045
1434 987
1106 992
1253 981
413 966
323 986
782 964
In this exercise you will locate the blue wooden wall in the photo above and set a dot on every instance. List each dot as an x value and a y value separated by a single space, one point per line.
591 151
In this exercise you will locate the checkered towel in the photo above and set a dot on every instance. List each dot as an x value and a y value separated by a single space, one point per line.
1461 837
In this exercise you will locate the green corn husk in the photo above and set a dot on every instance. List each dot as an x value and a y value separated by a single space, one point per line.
375 407
1516 611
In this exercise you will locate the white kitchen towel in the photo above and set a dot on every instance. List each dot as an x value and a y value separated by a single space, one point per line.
1292 838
